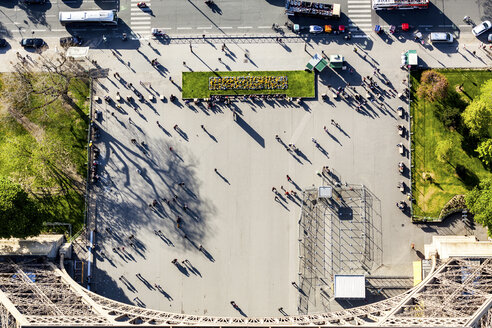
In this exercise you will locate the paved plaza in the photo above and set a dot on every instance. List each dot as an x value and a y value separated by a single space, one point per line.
250 240
235 240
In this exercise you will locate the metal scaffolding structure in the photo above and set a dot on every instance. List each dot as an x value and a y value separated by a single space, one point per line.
339 235
35 293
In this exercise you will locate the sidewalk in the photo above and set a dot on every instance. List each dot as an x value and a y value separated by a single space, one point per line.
292 48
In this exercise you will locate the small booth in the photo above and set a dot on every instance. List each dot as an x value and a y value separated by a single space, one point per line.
77 53
317 63
409 58
336 61
349 286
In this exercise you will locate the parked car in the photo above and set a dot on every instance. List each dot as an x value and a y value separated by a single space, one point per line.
34 2
481 28
489 38
32 43
70 41
441 37
315 29
3 42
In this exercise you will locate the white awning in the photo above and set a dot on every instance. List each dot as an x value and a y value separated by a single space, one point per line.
350 286
77 52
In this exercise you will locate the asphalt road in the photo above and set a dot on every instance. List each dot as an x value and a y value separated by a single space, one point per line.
226 17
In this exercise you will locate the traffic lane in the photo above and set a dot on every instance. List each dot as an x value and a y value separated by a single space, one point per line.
229 14
447 14
25 20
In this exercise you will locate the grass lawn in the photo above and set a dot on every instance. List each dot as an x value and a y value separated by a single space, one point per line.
49 160
301 84
427 132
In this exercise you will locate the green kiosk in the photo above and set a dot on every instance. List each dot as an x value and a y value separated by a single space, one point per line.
316 63
336 61
409 59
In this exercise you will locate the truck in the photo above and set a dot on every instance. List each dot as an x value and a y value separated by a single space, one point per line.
320 9
399 4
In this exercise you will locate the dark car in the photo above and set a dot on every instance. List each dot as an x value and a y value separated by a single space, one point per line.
32 43
3 42
35 2
70 41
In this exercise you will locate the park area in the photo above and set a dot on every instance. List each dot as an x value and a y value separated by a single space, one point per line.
437 179
43 139
295 84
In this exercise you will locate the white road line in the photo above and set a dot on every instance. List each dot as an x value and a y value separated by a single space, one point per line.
264 27
139 23
361 20
243 27
136 28
359 11
59 30
359 6
462 26
361 15
183 28
445 25
51 16
225 28
361 36
364 24
425 25
204 28
139 18
358 1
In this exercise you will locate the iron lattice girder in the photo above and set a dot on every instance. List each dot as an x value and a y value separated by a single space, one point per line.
446 297
346 317
78 306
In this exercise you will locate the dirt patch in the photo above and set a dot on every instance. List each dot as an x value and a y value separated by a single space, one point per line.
35 130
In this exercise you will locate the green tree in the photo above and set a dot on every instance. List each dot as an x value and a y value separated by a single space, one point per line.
479 202
433 86
478 117
484 151
19 215
444 150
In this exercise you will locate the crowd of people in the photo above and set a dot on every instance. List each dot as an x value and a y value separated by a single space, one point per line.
248 83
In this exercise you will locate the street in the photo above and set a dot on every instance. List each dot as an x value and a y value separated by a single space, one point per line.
225 17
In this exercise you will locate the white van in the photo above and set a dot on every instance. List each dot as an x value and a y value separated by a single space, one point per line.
445 37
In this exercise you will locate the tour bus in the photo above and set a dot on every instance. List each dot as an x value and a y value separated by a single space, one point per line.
319 8
399 4
95 16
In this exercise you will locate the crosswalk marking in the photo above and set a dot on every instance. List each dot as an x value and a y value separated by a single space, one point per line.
359 13
140 19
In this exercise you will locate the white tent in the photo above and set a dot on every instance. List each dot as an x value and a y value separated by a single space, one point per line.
78 52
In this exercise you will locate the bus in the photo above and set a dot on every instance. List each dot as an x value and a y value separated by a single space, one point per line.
399 4
320 8
95 16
